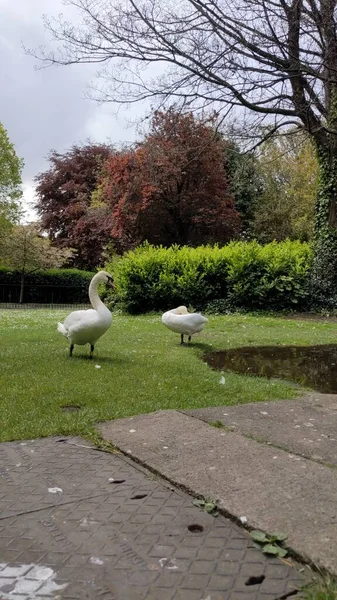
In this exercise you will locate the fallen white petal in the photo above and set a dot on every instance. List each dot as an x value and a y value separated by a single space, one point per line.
96 561
222 380
98 367
170 565
243 519
55 490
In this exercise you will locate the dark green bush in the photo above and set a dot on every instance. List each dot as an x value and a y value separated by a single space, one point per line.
239 275
53 286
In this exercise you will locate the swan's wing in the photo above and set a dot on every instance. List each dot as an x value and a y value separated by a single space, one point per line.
194 322
189 324
192 319
79 317
201 318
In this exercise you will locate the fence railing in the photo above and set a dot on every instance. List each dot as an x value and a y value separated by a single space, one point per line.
50 295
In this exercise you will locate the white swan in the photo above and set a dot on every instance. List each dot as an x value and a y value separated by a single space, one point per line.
86 326
183 322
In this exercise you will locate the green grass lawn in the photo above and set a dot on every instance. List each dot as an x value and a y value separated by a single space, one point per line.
143 368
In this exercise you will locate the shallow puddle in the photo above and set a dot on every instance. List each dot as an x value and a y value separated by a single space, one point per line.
310 366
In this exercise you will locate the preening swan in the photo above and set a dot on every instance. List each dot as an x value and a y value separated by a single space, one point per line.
87 326
183 322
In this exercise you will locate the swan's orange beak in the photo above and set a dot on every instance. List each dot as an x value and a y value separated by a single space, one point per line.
111 283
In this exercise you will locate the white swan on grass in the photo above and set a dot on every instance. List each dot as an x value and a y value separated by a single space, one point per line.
181 321
87 326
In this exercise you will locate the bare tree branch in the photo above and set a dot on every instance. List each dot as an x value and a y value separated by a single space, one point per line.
274 58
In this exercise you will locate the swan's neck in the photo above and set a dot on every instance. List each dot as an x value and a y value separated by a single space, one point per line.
94 298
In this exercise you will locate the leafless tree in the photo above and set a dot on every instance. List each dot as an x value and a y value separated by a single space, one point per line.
276 59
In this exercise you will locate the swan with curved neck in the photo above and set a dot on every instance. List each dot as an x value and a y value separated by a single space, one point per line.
181 321
87 326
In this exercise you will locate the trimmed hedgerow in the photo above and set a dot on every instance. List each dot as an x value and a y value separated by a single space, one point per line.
240 275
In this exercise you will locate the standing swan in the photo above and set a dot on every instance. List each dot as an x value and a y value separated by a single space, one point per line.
183 322
86 326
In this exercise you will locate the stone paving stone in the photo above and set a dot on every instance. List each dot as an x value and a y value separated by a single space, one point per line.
97 540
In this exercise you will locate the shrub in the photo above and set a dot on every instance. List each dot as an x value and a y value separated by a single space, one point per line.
239 275
53 286
274 276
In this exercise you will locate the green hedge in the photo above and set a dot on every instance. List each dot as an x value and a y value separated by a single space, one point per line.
58 286
240 275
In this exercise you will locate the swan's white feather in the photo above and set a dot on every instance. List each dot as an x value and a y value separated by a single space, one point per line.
187 323
85 326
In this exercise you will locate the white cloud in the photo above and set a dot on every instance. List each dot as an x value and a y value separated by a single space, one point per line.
47 109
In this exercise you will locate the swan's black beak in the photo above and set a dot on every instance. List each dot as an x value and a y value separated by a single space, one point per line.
111 282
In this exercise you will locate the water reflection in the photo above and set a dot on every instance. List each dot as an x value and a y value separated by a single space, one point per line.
310 366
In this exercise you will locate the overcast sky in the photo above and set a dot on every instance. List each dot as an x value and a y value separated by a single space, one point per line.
46 109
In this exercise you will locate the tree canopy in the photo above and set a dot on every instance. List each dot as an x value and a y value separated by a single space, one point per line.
26 250
172 189
63 195
288 172
10 180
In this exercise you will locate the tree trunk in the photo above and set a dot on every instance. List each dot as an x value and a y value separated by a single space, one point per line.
22 287
324 272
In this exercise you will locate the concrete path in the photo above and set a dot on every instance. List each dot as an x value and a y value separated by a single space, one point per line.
80 524
273 488
307 426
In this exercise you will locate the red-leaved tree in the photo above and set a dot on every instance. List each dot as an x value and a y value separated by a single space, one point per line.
64 202
172 189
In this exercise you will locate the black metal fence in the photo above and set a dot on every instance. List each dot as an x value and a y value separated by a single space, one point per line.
42 295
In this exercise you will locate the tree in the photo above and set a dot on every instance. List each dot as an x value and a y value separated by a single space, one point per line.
10 182
172 189
91 234
245 182
25 250
275 59
64 196
285 208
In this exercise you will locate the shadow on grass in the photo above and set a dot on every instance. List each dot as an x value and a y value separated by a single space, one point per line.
202 346
114 360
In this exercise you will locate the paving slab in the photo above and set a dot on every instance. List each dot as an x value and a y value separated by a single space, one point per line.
307 426
273 489
80 524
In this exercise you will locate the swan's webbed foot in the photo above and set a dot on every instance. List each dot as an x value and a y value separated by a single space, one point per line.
91 355
71 349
